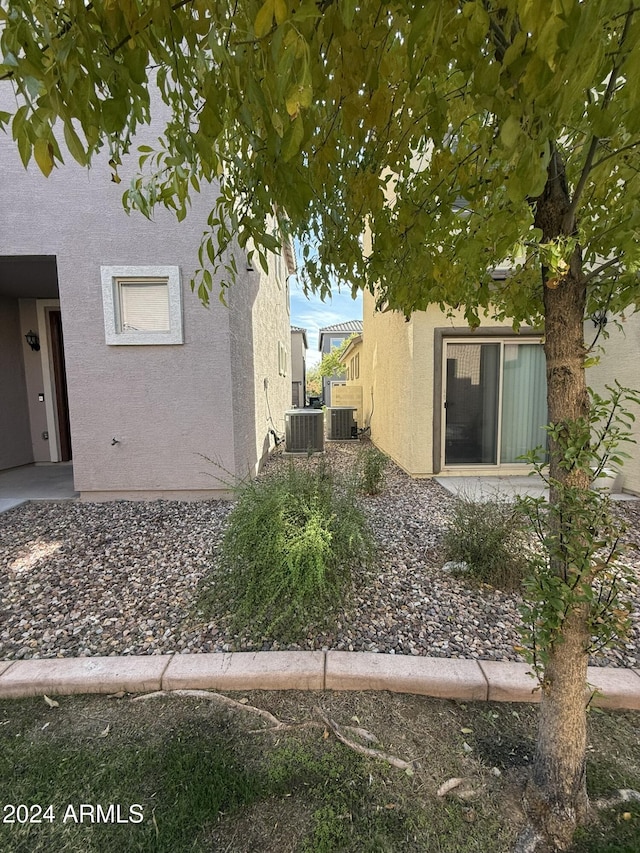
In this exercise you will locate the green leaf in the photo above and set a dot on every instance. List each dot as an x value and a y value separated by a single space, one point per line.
486 77
24 149
136 61
210 122
76 149
347 11
19 122
114 114
510 132
307 11
293 139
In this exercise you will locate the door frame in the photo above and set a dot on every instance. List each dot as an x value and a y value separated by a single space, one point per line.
43 308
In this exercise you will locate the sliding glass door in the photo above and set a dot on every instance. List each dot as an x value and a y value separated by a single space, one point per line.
495 401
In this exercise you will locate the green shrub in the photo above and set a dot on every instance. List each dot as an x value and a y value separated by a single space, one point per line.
285 562
489 537
371 467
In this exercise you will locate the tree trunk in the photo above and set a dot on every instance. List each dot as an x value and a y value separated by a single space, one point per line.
557 798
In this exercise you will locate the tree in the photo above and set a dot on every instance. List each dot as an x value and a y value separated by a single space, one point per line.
314 382
459 134
332 364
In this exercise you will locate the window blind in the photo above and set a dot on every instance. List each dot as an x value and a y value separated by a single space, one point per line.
144 306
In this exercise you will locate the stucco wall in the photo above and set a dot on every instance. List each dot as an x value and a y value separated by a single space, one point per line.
401 381
349 396
15 442
387 382
620 361
259 322
167 406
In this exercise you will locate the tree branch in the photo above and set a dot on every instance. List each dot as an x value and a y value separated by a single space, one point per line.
616 153
570 216
393 760
596 272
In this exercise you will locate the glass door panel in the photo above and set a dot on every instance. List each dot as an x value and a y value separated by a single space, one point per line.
472 403
524 401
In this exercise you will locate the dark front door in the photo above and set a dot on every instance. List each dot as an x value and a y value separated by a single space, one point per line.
60 382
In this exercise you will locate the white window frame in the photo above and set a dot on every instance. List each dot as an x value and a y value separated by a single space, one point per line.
112 277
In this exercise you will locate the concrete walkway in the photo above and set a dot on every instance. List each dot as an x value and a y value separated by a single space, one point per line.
45 482
444 678
505 486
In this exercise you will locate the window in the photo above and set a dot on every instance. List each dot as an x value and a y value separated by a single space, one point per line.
334 343
142 305
354 367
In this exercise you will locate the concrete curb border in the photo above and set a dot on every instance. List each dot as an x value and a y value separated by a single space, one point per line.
444 678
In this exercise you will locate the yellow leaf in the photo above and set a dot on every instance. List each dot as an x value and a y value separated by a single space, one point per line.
264 19
281 11
299 96
43 153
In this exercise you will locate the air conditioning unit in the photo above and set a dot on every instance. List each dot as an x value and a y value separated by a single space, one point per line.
304 431
341 423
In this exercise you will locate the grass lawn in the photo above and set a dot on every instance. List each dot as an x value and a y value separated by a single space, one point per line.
187 774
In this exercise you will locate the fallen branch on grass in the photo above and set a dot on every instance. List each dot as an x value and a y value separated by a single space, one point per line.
394 761
216 697
276 724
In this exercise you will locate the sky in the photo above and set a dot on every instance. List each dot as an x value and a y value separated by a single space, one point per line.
312 314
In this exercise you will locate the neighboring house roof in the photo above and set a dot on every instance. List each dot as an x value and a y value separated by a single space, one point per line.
289 256
303 332
350 327
357 339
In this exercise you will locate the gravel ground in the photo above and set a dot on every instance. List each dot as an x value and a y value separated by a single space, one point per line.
121 578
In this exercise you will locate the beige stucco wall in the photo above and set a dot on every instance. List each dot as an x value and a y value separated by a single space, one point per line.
620 360
398 373
349 396
387 382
